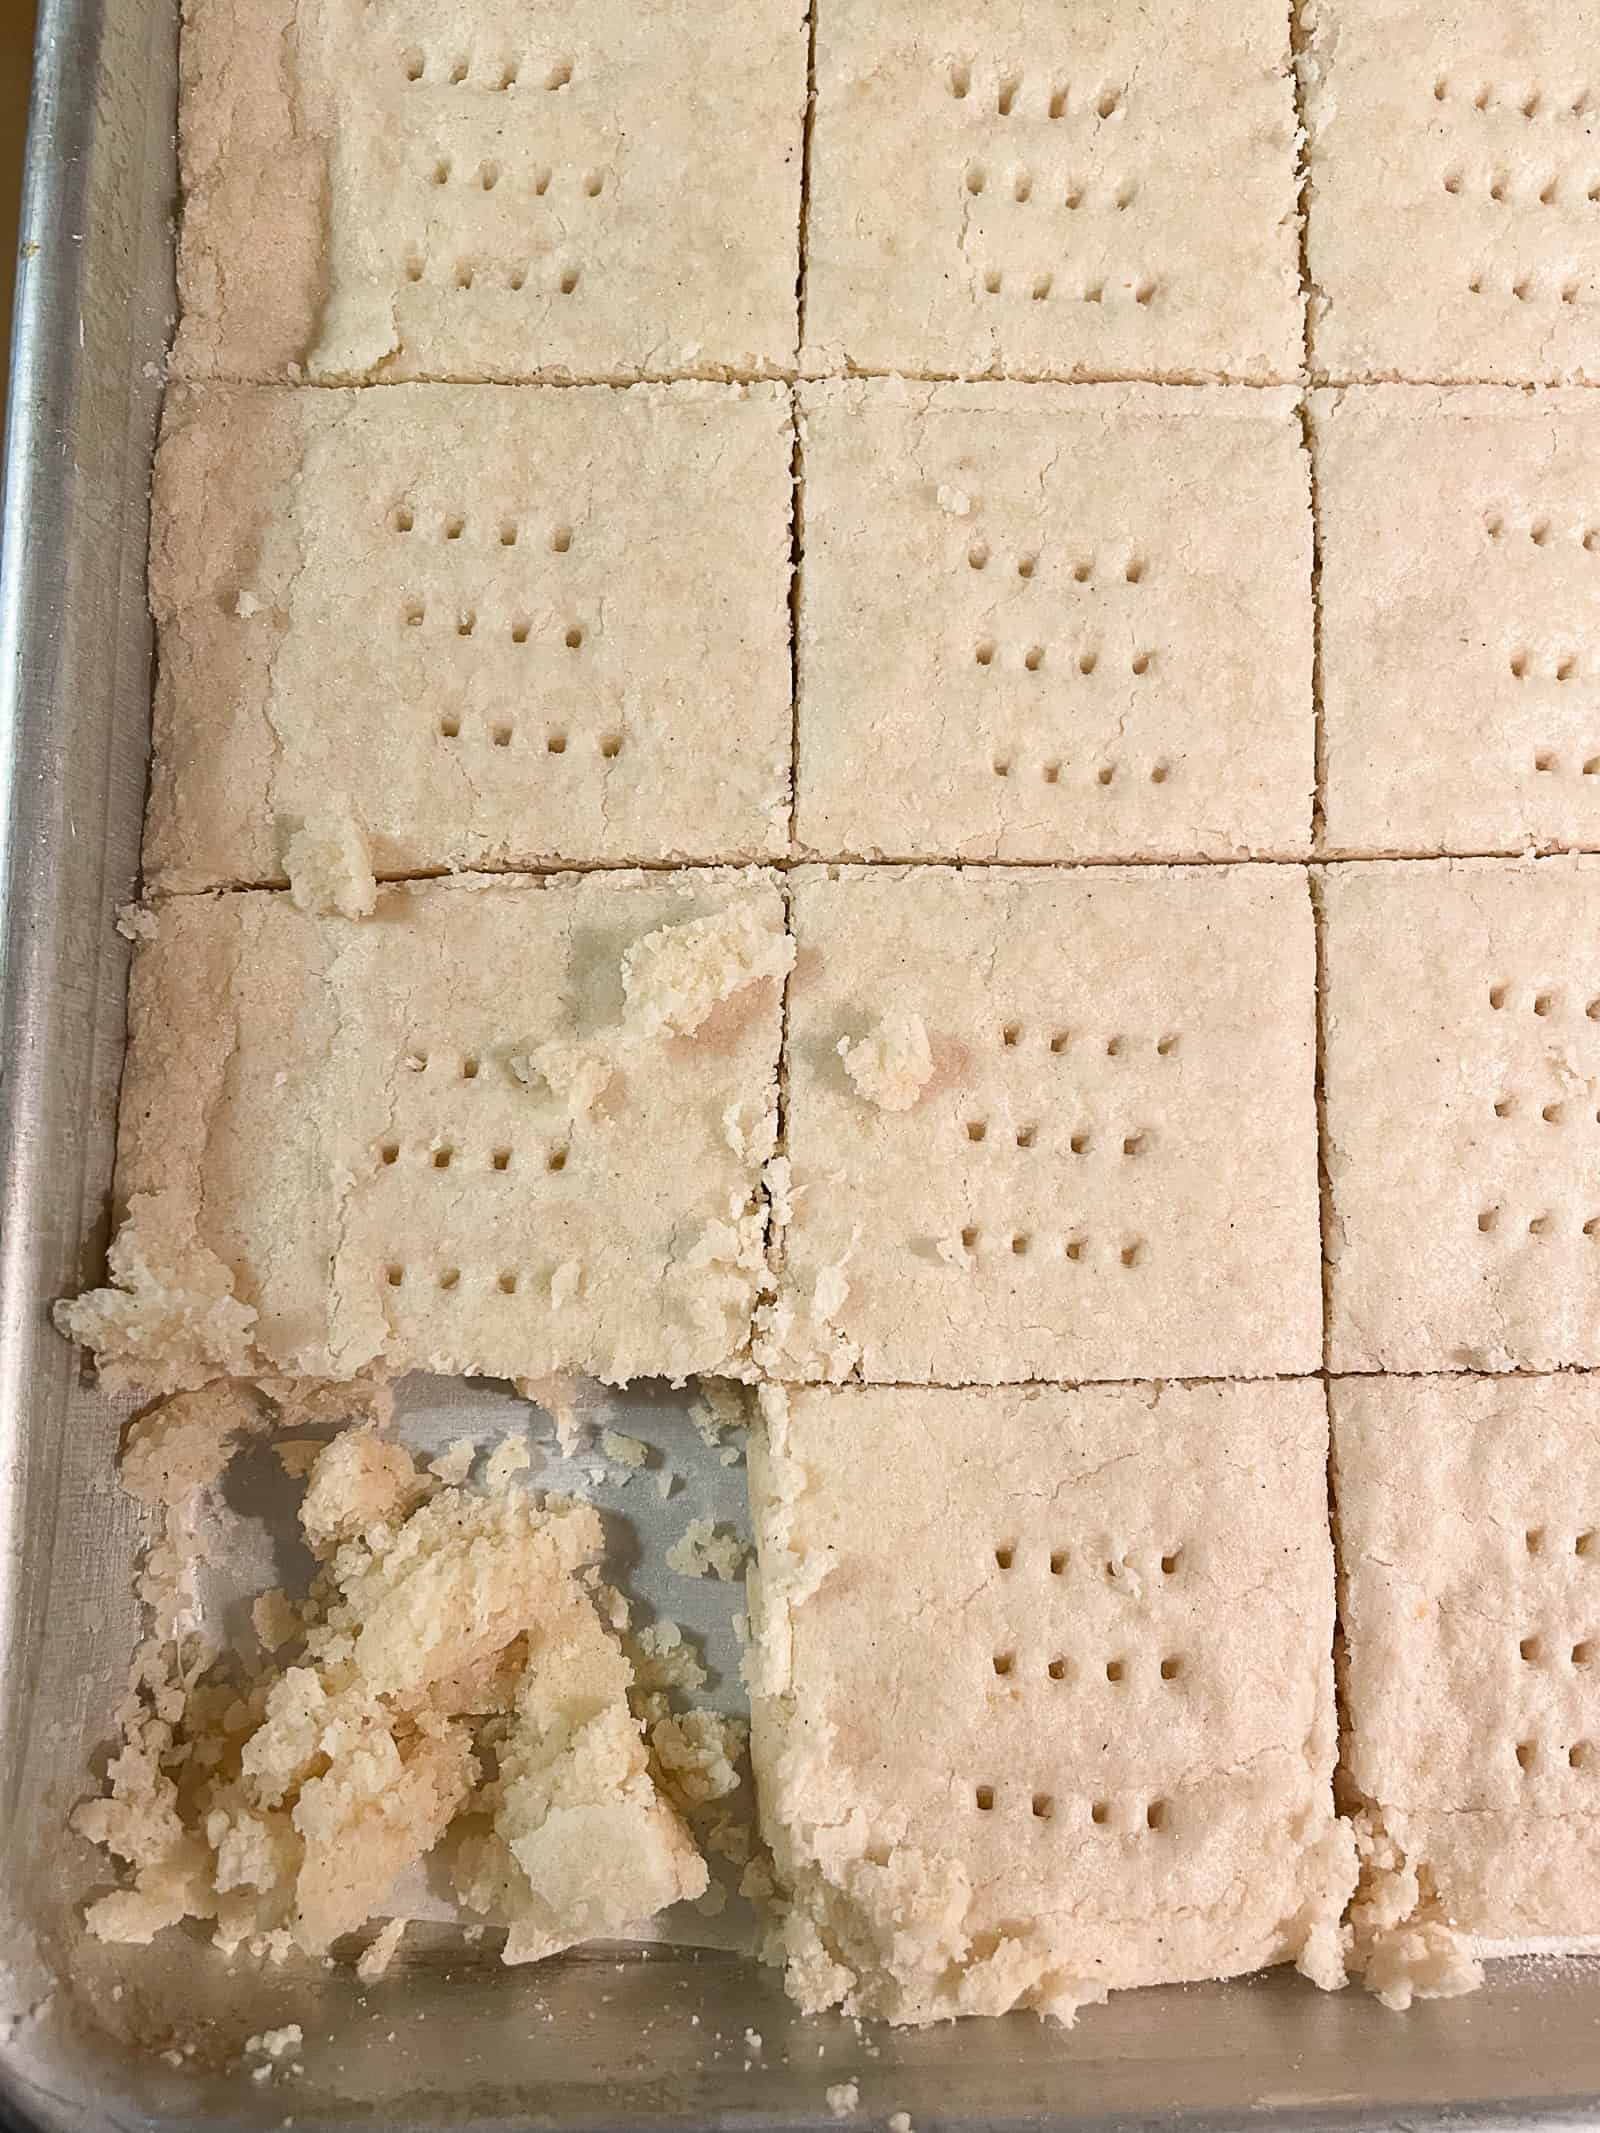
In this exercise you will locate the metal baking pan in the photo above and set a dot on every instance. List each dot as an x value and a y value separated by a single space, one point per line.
628 2038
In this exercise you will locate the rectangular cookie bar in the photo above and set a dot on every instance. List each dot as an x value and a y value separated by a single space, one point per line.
1029 189
1462 1078
486 625
504 1126
1460 618
1054 622
1469 1523
512 189
1043 1691
1451 223
1049 1125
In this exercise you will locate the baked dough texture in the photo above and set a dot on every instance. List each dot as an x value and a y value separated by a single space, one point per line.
1026 189
1054 622
1462 1072
490 626
336 1150
1469 1524
451 1689
489 189
1111 1171
1451 226
1043 1696
1460 543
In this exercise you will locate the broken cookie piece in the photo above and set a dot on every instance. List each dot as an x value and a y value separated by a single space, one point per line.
341 1166
1043 1691
1469 1522
451 1633
892 1064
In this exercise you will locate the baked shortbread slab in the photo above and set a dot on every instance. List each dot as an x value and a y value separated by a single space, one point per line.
1054 622
1469 1523
511 189
1044 1691
1105 1163
1462 1079
1451 227
1044 191
505 1126
491 625
1460 622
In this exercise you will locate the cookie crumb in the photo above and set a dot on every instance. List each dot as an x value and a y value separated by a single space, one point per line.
704 1552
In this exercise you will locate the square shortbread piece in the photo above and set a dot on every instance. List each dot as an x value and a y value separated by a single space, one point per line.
1105 1165
1469 1525
1461 618
1462 1079
495 625
433 1140
1452 230
502 189
1030 189
1043 1701
1054 622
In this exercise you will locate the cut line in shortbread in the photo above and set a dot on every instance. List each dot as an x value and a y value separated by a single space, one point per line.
1042 622
1451 225
1043 1692
354 1156
1460 547
1026 191
492 190
1462 1149
1109 1172
468 626
1469 1524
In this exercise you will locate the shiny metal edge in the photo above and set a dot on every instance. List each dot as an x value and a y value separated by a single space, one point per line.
447 2040
93 310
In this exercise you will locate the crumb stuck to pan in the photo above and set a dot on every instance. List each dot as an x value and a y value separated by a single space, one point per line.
452 1689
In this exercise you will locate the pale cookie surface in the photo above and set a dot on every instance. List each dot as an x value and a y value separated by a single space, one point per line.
1469 1522
1462 1067
357 1136
507 189
1461 618
1031 190
1044 1695
493 626
1111 1171
1054 622
1451 228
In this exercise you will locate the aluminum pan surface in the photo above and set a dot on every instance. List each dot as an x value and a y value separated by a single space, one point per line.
449 2039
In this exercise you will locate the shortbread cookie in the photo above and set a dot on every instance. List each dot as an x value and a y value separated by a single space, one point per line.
1022 189
1054 622
511 189
447 1137
1110 1171
486 625
1044 1691
1462 1072
1452 230
1469 1525
1460 618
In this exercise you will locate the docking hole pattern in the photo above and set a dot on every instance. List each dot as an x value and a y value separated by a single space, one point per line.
1038 155
1139 1664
